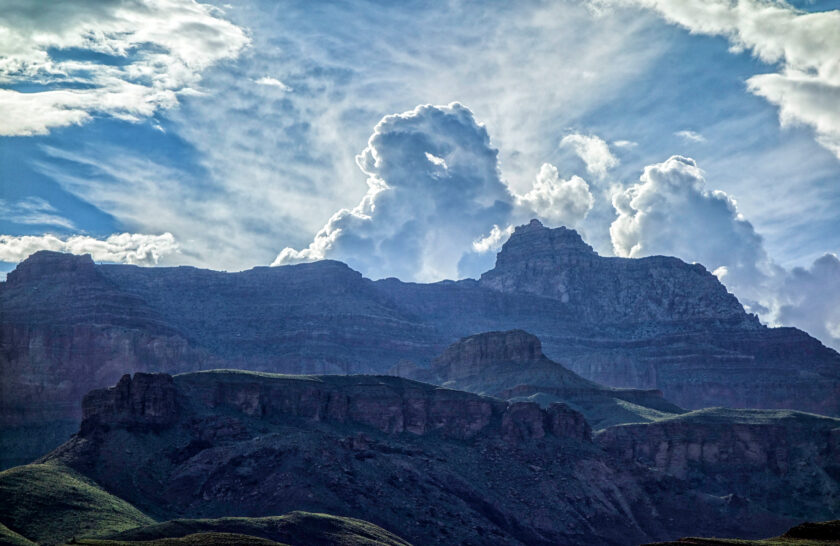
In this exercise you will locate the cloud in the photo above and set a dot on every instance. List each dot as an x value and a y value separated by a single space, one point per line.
671 212
594 152
273 82
690 136
494 240
33 211
129 248
810 299
433 188
627 144
806 46
559 201
126 59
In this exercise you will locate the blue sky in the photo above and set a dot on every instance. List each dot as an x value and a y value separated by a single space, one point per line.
228 136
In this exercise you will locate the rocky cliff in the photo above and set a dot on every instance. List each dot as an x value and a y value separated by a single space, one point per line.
790 459
69 325
455 468
512 366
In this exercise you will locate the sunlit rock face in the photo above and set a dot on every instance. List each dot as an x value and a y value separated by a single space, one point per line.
69 325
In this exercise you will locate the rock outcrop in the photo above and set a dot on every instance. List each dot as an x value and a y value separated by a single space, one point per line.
68 326
790 459
429 464
512 366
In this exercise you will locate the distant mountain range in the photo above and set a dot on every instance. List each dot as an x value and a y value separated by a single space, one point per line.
69 325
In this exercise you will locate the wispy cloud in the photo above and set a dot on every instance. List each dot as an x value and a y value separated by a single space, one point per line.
273 82
805 45
690 136
34 211
123 59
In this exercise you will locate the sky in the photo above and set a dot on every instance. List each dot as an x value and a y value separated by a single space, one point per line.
409 138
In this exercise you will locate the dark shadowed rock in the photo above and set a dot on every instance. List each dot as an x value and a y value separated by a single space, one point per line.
68 326
426 463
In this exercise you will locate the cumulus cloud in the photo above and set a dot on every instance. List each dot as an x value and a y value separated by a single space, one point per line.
810 299
436 200
559 201
671 212
690 136
129 248
806 45
33 211
121 58
594 152
493 240
433 188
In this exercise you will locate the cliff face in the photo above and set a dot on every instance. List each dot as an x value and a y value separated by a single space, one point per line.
557 264
511 365
68 325
387 404
454 467
790 459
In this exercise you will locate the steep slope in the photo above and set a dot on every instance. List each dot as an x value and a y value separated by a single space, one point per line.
51 503
791 459
296 528
511 365
454 467
68 325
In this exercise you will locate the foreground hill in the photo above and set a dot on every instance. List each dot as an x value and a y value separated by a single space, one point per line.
434 465
52 504
69 325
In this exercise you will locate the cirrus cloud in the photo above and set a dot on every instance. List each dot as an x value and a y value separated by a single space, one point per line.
121 58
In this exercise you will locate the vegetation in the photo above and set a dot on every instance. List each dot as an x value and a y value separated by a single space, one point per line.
51 503
298 528
806 534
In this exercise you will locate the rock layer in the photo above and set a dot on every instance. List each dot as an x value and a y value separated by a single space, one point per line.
69 325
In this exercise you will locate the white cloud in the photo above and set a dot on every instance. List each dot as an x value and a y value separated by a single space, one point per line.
130 248
810 299
273 82
433 189
627 144
559 201
671 212
125 59
494 240
435 200
594 152
806 45
690 136
33 211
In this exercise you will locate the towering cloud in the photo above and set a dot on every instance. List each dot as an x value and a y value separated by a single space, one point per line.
433 188
671 212
435 200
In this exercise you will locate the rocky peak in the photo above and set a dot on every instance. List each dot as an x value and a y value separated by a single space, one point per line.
474 354
46 263
558 264
147 400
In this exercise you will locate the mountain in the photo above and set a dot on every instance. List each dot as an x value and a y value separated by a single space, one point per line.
434 465
69 325
512 366
805 534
